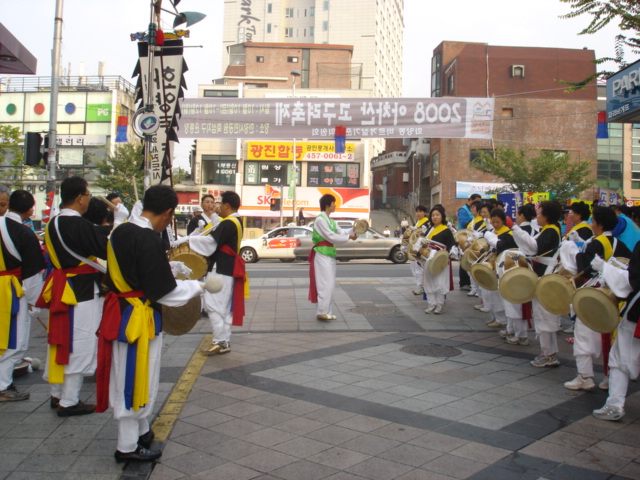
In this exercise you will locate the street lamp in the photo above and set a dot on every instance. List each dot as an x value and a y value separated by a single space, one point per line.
294 74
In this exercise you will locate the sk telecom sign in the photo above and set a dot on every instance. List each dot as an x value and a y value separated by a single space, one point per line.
286 118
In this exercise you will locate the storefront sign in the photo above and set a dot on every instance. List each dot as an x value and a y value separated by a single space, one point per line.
317 151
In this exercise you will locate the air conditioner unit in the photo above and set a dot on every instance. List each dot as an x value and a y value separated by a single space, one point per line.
517 71
405 177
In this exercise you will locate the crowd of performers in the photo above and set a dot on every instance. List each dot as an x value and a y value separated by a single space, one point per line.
595 251
108 321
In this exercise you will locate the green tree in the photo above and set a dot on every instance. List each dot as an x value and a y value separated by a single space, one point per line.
11 155
546 172
627 15
118 171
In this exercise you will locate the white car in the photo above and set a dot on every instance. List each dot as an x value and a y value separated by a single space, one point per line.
277 244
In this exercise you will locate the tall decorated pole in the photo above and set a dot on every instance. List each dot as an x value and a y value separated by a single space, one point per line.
160 84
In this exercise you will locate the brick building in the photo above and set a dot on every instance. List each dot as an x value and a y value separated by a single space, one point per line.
533 111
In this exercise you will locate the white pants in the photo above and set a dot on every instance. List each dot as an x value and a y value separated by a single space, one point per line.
436 286
83 359
516 325
12 357
546 325
416 271
132 424
587 345
624 362
325 271
218 308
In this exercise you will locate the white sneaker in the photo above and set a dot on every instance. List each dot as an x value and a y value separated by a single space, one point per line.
472 293
513 340
438 309
580 383
609 412
430 309
542 361
418 291
604 384
503 333
478 306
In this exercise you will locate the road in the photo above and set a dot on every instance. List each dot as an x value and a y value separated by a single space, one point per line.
352 268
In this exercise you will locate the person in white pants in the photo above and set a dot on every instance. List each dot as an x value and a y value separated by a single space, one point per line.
416 268
322 259
22 265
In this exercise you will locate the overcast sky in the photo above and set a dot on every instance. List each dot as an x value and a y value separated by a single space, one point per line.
99 31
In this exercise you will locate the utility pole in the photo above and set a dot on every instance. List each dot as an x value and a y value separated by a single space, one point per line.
53 107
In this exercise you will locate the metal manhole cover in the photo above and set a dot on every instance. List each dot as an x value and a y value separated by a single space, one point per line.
432 350
373 310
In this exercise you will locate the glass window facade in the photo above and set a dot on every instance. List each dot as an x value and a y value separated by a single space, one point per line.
610 159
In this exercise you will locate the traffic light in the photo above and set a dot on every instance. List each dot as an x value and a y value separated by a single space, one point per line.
274 204
32 153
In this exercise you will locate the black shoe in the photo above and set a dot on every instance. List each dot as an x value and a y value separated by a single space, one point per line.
54 402
146 439
77 409
140 455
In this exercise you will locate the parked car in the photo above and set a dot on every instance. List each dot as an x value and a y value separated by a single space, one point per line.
277 244
369 245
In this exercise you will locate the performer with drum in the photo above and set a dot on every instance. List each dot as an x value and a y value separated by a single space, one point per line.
414 265
579 215
437 285
208 218
21 264
588 344
478 225
464 217
525 214
322 259
139 279
624 360
543 249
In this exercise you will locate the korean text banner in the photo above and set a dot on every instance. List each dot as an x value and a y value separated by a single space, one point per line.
317 118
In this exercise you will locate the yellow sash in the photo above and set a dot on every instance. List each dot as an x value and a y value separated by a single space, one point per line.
475 221
606 244
578 227
502 230
421 222
436 230
140 329
247 290
6 303
554 227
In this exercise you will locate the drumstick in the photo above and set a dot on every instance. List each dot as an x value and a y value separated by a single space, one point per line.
545 253
109 204
42 323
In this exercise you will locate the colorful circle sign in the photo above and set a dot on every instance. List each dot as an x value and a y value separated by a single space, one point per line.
70 108
38 108
11 109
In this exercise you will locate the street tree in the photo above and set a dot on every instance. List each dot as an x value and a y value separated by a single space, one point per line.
545 171
626 13
118 171
11 156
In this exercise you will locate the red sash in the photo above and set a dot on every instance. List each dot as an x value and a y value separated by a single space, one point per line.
526 312
107 334
239 278
313 291
59 320
16 272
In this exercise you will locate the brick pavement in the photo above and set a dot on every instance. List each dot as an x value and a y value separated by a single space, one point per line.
301 399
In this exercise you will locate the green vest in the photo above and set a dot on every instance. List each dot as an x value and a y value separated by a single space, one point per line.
324 250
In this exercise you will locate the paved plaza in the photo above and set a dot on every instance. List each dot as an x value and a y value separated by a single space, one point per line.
383 392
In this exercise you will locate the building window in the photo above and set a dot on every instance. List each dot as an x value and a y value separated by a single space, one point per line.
273 173
304 32
435 75
269 8
325 5
219 169
288 32
507 112
517 71
292 59
450 84
259 59
288 12
333 174
325 25
475 158
311 31
221 93
268 28
435 167
312 12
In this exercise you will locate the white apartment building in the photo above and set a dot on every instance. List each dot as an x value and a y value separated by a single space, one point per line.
373 27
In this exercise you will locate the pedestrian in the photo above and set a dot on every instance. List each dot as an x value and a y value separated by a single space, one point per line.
386 232
71 295
404 224
139 278
21 265
397 232
301 220
322 259
222 247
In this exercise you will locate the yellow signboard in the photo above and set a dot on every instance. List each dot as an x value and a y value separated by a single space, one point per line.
281 151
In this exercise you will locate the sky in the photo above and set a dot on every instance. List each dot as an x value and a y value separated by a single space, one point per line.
95 31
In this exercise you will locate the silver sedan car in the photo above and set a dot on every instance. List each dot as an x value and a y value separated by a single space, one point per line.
369 245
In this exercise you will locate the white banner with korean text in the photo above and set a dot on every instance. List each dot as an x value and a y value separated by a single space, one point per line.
283 118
